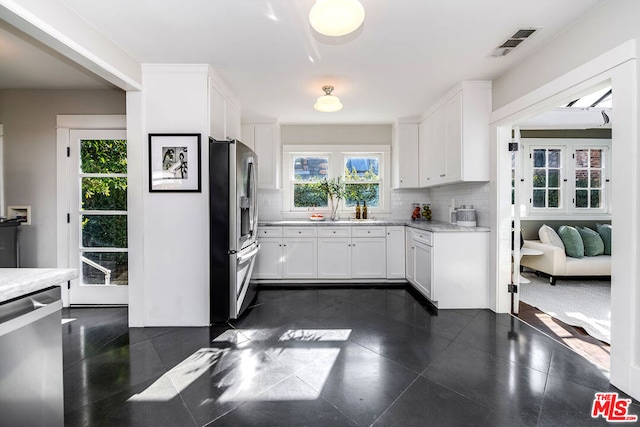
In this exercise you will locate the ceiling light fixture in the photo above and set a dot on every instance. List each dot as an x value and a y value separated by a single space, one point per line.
336 17
328 103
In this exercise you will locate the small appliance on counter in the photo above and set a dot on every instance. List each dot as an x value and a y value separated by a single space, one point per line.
466 216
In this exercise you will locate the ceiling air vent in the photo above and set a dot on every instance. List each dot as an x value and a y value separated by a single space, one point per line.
512 42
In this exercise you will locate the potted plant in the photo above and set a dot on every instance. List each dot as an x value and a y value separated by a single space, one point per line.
335 190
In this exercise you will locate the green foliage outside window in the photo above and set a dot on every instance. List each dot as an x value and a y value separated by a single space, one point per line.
362 188
104 193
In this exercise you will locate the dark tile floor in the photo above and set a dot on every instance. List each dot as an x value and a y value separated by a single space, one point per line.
326 357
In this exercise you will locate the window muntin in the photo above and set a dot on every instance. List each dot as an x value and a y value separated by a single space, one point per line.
589 178
582 181
547 178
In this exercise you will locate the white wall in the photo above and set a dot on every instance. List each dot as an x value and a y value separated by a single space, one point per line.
335 134
174 233
607 26
29 122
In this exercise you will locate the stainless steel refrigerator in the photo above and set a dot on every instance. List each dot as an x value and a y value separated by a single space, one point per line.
233 212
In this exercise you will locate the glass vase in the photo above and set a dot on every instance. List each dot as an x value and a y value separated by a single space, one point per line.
333 205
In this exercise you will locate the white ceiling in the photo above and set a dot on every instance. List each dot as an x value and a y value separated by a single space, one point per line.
406 55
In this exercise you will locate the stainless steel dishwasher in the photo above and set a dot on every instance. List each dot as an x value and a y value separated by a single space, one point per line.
31 389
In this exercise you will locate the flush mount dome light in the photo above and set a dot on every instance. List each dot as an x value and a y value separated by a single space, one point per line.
336 17
328 103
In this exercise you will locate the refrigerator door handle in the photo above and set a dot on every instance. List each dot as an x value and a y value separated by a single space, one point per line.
243 257
253 195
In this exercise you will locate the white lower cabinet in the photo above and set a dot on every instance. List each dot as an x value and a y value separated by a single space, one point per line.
299 258
422 268
352 253
334 258
395 253
268 262
451 268
409 256
368 258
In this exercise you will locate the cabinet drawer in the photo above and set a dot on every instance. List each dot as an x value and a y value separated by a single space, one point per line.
334 231
300 232
423 237
270 232
368 232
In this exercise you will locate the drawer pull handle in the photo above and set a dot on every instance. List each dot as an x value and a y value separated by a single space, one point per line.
299 232
334 232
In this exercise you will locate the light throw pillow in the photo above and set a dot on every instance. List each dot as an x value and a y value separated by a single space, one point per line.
573 245
549 236
593 244
604 230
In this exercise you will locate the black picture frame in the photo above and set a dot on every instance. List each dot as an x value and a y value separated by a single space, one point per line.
175 162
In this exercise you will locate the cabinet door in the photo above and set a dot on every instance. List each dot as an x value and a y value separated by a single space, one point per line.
267 147
334 258
424 156
246 136
409 256
217 119
268 261
453 139
300 258
395 253
422 268
368 258
404 156
437 151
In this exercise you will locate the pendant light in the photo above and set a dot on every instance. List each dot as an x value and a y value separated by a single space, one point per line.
336 17
328 103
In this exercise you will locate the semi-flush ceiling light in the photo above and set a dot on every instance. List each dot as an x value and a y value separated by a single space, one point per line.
328 103
336 17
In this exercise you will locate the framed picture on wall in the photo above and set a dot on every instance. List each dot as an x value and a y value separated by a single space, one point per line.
174 162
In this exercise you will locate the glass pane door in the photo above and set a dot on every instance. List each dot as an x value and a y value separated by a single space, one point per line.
98 217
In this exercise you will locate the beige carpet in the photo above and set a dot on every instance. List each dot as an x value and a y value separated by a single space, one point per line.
583 303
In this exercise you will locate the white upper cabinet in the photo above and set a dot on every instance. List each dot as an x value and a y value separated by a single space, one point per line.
264 139
404 162
217 120
232 120
224 110
454 137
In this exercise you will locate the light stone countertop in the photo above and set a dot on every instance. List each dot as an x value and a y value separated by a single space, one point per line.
16 282
434 226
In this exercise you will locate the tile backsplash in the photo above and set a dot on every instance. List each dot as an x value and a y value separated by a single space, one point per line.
468 193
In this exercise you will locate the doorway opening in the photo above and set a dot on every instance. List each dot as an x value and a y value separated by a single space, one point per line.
560 176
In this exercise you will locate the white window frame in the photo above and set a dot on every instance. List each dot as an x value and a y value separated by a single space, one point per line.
568 147
337 155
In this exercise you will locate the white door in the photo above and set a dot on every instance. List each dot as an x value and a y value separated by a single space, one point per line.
97 217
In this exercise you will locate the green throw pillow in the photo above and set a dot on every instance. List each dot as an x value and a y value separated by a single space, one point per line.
604 230
593 244
573 245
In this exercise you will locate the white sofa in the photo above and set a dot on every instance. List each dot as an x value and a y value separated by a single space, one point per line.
556 263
